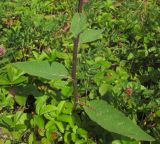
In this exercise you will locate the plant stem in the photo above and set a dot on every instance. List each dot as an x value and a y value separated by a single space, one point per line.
74 61
74 71
80 6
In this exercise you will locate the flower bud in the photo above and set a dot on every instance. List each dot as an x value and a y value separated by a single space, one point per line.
2 51
85 1
128 91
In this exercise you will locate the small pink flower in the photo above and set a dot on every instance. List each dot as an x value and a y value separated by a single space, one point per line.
128 91
85 1
2 51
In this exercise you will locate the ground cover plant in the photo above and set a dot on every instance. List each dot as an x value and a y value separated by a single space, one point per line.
83 72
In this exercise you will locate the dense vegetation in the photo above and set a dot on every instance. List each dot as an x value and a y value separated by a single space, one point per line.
118 66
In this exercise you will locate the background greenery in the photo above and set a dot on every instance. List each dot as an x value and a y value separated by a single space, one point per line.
123 68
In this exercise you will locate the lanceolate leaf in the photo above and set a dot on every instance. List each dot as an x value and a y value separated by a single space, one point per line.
90 35
115 121
78 24
43 69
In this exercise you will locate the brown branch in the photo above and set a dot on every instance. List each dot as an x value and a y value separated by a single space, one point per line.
80 6
74 70
74 61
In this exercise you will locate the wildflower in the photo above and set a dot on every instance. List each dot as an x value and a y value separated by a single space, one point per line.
85 1
128 91
2 51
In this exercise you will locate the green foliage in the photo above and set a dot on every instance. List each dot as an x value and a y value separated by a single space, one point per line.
90 35
43 69
78 24
114 121
10 75
118 62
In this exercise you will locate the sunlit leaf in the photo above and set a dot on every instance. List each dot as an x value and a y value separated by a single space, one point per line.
78 24
90 35
43 69
115 121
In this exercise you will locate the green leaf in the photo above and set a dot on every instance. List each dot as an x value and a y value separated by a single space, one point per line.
78 141
78 24
19 127
38 121
124 142
10 75
74 137
60 107
115 121
43 69
68 107
13 73
47 109
60 126
83 133
21 100
40 102
20 117
50 125
31 138
66 118
90 35
67 137
104 88
45 141
8 121
7 142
